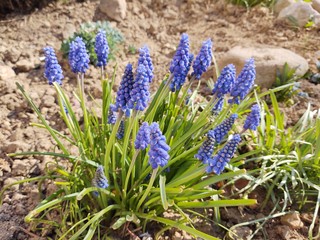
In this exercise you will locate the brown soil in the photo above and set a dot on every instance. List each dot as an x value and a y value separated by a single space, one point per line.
158 25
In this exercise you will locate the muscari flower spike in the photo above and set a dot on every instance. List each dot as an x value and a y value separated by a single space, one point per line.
253 119
222 129
78 56
120 133
218 106
225 81
53 71
143 137
112 115
219 161
206 150
145 60
123 94
158 153
244 82
203 60
140 95
99 180
179 64
101 48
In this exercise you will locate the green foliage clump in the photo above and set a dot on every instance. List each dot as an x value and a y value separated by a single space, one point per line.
286 77
88 32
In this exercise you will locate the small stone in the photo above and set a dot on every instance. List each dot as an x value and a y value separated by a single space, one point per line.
18 196
114 9
287 233
307 217
12 180
292 220
48 101
22 167
12 55
25 65
240 233
6 72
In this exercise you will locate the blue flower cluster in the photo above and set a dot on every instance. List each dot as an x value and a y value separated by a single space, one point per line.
78 56
180 64
140 95
145 60
143 137
99 180
206 150
112 115
225 81
219 161
120 133
244 82
253 119
158 153
123 94
221 130
203 60
218 106
101 48
53 71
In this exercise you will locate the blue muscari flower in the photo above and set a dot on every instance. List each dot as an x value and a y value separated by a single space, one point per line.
179 64
140 95
99 180
219 161
179 79
143 137
158 153
244 82
253 119
225 81
218 106
78 56
120 133
101 48
145 60
206 150
203 60
123 94
53 71
112 115
222 129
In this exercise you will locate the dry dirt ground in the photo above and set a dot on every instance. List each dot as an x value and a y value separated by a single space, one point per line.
158 25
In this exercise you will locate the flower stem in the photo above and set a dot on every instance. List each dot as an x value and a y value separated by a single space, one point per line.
129 172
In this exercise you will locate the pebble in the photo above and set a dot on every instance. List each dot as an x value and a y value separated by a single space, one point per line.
292 220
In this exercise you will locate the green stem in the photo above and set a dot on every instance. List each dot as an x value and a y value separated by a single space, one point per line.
153 177
129 172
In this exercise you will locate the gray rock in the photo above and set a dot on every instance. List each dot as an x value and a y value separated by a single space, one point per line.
300 12
267 59
114 9
6 72
282 4
316 5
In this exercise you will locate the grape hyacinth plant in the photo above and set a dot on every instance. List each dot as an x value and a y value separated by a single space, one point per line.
129 169
203 60
219 161
53 71
244 82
